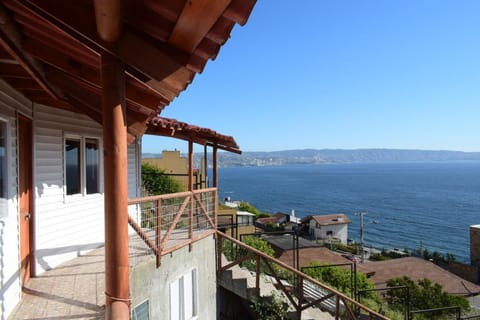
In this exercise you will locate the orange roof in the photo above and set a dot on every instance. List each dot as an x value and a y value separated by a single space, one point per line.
181 130
50 50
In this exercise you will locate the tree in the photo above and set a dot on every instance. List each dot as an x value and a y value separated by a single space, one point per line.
423 295
339 278
155 181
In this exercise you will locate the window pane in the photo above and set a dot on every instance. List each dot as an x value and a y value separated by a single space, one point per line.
141 312
175 300
91 163
72 164
188 295
3 160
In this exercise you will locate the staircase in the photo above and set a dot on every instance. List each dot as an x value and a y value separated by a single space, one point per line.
242 282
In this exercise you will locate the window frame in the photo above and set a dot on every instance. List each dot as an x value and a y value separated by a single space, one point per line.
6 164
83 139
179 284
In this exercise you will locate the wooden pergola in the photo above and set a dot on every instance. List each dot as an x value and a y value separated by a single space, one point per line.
120 63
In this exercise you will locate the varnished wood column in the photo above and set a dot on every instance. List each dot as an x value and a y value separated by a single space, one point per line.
117 287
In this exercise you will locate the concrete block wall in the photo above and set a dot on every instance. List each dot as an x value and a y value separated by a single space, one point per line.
475 244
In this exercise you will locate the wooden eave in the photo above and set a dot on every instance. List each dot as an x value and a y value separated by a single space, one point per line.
50 50
167 127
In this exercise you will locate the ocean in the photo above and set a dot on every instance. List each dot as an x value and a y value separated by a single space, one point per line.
428 204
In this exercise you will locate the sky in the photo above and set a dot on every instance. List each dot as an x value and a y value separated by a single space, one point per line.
342 74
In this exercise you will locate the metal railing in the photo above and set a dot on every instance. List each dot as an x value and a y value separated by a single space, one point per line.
170 221
306 291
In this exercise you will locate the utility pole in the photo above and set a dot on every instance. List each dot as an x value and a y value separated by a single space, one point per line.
362 257
362 227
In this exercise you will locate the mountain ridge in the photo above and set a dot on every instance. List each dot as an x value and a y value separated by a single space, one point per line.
324 156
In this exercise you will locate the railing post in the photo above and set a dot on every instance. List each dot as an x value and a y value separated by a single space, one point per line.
215 208
158 230
337 307
219 251
257 278
300 296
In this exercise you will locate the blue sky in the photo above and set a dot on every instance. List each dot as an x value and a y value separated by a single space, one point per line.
342 74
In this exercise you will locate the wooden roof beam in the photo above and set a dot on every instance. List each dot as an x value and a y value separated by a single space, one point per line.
195 21
158 62
82 73
108 15
10 40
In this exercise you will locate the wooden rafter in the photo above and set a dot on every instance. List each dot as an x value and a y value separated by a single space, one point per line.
11 42
157 62
195 21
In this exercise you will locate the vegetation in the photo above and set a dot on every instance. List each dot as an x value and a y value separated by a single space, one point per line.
156 182
245 206
345 248
270 308
424 295
336 277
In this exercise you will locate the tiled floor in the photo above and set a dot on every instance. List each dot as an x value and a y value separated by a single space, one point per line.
74 290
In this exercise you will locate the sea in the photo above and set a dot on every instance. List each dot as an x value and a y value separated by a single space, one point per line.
408 205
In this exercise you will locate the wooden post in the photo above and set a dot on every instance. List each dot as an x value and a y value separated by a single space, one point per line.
158 230
190 188
117 286
215 167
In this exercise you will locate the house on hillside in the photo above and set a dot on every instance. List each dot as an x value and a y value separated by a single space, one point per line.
176 167
331 227
80 84
272 222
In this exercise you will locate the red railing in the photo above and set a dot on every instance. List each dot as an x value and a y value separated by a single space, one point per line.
168 222
301 290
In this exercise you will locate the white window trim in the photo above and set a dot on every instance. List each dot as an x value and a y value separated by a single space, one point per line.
195 299
8 171
83 184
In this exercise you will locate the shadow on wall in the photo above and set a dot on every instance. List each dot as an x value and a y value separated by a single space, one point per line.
5 285
42 253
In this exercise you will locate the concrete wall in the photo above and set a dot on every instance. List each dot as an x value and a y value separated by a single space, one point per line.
475 245
149 283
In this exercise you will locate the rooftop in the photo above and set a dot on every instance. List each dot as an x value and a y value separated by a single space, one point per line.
329 219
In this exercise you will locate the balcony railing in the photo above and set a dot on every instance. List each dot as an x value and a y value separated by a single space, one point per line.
300 290
168 222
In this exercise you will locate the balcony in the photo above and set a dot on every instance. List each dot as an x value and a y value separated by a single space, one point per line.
168 222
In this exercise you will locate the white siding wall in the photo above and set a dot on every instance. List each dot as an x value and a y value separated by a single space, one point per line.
65 225
10 292
339 231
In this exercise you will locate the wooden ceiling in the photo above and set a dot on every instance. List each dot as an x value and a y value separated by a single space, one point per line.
50 49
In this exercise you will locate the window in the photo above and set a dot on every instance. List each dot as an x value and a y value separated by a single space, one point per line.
91 163
81 166
141 311
3 160
183 297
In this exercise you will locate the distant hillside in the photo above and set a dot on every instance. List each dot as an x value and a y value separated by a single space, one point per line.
312 156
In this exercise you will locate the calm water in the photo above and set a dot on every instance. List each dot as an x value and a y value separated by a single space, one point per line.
432 203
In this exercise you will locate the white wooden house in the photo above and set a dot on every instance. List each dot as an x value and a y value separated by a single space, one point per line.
64 216
328 227
80 83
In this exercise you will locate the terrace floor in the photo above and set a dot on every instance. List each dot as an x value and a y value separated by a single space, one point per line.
73 290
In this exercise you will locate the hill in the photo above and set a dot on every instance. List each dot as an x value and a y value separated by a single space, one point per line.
314 156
